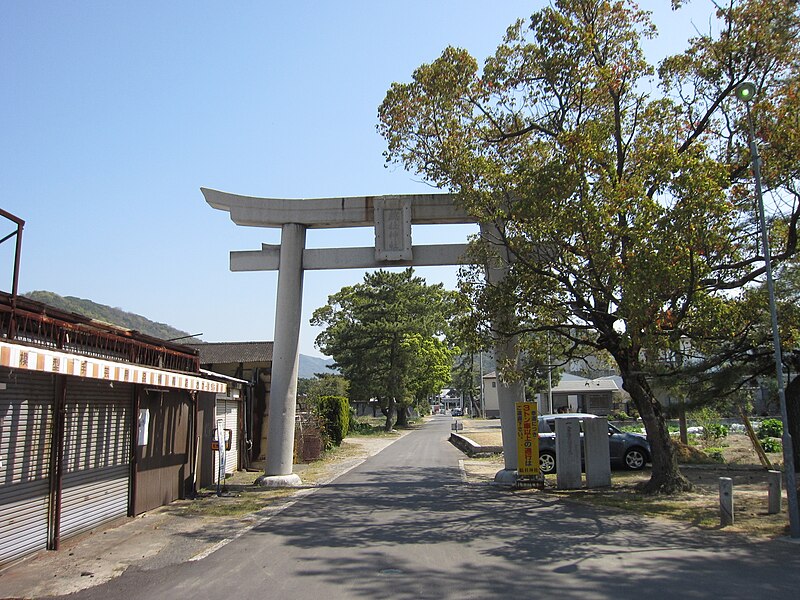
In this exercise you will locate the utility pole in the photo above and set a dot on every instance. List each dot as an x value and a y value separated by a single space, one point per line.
746 92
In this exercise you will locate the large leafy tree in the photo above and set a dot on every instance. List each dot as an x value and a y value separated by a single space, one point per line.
740 357
386 336
619 191
466 378
322 384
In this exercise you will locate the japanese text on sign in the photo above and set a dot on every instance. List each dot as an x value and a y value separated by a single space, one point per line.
527 439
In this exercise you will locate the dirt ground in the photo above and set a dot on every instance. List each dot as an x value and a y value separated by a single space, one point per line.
699 507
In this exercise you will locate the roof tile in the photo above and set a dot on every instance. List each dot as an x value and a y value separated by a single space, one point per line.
216 353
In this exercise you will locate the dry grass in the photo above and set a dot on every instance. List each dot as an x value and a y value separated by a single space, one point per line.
484 438
241 496
699 508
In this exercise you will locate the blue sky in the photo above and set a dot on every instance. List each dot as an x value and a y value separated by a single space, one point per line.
114 114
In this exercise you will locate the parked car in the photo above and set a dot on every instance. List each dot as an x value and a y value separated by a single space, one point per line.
456 412
628 450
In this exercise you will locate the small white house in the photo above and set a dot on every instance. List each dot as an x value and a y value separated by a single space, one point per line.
572 394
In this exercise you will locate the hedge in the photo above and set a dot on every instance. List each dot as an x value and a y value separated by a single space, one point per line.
334 411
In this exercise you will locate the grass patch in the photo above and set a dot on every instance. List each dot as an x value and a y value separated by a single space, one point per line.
374 426
699 508
677 508
367 429
242 497
317 470
717 454
237 506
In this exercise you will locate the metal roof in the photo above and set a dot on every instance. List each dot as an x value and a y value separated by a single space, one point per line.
588 385
213 375
574 383
218 353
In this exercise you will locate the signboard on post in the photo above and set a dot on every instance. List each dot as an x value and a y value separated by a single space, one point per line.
527 439
219 441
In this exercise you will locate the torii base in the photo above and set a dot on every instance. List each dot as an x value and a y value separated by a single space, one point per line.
279 481
506 478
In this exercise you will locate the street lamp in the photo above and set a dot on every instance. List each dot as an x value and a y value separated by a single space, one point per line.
746 92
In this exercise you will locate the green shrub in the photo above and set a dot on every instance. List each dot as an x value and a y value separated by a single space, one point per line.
362 428
715 454
634 428
334 412
771 445
713 431
770 428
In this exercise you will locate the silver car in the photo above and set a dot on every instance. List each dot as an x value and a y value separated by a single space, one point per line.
628 450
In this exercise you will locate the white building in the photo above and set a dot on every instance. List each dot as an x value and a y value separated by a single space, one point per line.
572 394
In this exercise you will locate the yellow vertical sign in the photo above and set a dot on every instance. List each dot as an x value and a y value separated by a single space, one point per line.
527 439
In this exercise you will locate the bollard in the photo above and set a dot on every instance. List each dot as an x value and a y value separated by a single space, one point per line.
774 487
725 501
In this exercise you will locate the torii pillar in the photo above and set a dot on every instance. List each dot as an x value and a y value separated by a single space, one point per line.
392 217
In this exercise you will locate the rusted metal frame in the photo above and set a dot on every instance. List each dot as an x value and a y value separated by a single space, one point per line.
51 332
17 252
122 339
57 462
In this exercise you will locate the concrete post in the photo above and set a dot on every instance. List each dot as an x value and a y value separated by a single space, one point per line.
725 501
597 455
506 353
508 394
568 454
285 357
774 485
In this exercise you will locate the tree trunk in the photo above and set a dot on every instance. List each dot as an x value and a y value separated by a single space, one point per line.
402 416
474 405
682 422
389 412
666 477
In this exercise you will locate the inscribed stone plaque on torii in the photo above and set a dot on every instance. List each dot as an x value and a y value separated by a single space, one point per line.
393 229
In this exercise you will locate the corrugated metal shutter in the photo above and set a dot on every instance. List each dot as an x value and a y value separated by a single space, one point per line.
97 444
228 412
26 415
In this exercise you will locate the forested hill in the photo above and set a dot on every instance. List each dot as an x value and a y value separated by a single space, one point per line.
309 365
101 312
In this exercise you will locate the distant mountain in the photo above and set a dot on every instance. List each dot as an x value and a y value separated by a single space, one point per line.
308 367
311 365
107 314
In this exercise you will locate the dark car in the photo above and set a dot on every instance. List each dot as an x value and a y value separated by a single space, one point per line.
457 412
628 450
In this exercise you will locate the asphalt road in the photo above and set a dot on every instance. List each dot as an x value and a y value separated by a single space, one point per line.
403 525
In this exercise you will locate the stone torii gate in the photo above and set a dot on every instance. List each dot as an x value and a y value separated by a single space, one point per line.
392 218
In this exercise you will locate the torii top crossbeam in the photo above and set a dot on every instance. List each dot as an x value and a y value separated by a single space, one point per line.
320 213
